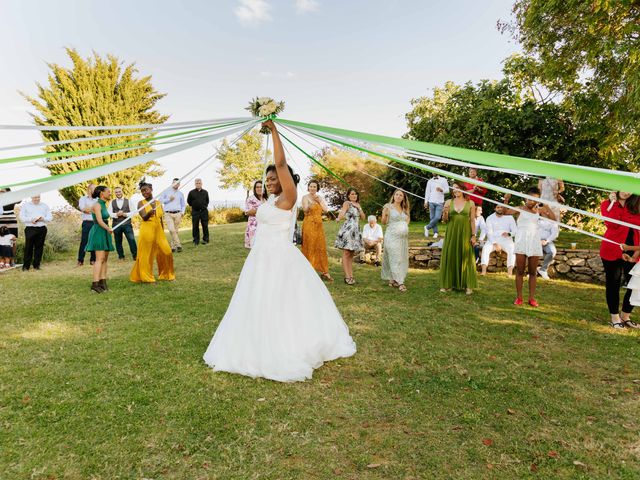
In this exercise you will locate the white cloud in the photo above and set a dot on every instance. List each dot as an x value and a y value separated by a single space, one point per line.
307 6
253 12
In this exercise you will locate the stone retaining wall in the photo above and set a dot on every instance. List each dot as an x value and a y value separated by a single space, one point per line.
576 265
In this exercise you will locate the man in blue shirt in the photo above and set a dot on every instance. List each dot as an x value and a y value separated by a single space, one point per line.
174 205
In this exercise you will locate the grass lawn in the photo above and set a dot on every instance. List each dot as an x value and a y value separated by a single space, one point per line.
447 386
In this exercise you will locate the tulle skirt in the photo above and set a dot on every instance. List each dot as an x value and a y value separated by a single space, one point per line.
281 322
634 285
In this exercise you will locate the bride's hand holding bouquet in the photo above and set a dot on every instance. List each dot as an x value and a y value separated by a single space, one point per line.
261 107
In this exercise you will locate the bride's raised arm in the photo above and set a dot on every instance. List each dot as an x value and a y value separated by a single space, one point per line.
289 194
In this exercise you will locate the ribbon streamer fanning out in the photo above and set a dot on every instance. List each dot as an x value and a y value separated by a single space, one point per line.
607 179
57 182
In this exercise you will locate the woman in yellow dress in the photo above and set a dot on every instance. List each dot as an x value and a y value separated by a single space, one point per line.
314 245
152 243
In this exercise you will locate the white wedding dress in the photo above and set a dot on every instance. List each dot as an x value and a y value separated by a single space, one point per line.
281 322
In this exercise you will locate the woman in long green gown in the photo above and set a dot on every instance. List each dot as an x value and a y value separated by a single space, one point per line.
457 263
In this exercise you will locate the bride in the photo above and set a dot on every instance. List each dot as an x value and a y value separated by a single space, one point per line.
281 322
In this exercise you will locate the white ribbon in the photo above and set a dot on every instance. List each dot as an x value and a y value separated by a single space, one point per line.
182 180
490 186
151 126
564 225
82 176
128 149
142 133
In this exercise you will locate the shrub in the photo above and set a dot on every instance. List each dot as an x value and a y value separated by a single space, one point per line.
223 215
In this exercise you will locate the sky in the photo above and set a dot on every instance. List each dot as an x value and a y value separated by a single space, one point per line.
353 64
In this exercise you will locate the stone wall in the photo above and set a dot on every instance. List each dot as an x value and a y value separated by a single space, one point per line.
576 265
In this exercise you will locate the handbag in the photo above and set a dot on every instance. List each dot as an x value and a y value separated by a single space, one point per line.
297 234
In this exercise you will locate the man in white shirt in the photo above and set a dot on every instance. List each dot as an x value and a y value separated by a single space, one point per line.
437 188
120 212
35 215
173 205
372 237
85 205
549 232
500 230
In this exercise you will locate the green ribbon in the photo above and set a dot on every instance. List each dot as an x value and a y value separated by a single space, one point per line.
610 180
316 161
74 153
60 175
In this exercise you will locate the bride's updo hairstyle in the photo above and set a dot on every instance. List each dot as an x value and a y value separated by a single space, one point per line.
295 176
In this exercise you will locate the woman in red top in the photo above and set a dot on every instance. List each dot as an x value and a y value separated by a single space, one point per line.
625 207
476 193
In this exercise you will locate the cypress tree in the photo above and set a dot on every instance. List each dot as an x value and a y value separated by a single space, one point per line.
96 91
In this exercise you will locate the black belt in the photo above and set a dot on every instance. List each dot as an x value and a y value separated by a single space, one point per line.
174 211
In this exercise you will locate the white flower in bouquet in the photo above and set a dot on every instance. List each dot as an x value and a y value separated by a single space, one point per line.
264 107
267 109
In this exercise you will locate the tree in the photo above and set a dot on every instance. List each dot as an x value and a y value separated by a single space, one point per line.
242 164
96 91
503 117
348 165
589 50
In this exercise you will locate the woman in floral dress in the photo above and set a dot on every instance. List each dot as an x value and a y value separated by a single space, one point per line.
349 238
250 209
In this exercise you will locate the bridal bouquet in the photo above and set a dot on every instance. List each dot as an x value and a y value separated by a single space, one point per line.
264 107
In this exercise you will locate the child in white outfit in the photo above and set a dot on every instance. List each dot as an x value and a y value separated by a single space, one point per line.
7 241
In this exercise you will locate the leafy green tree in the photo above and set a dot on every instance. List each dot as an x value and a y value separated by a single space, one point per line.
589 51
96 91
349 165
503 117
242 163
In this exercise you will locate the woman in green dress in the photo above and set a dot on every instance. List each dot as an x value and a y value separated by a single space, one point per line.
457 264
100 240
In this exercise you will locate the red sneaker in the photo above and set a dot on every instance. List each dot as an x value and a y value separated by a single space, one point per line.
517 301
533 303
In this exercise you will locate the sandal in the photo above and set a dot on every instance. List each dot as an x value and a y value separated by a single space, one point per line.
327 277
469 291
393 284
402 288
630 324
445 290
617 325
350 281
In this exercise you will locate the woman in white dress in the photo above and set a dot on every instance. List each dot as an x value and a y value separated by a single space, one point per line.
528 245
634 277
281 322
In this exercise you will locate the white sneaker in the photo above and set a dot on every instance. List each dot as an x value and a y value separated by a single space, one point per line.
543 273
435 235
426 232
